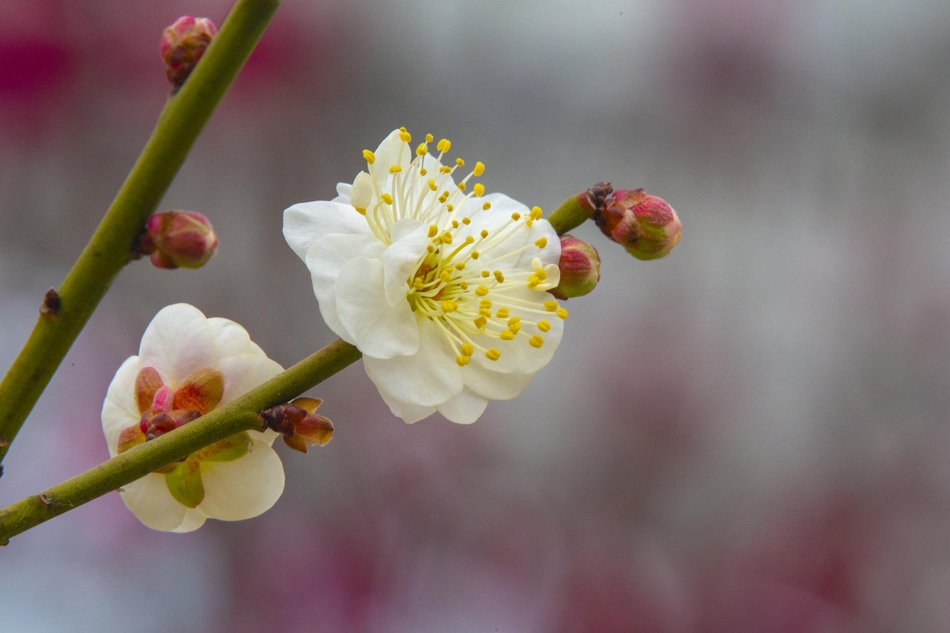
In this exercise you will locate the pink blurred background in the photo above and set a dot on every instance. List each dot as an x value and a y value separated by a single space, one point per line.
750 436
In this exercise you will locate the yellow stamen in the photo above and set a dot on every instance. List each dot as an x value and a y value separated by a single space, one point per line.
480 322
479 189
536 213
502 313
432 185
507 335
433 230
544 326
369 156
481 291
486 206
446 238
360 210
395 169
467 349
466 221
463 186
459 162
536 341
485 273
550 306
515 216
499 276
493 354
479 168
484 233
422 150
449 306
444 145
462 361
405 136
561 313
388 199
541 242
429 138
475 255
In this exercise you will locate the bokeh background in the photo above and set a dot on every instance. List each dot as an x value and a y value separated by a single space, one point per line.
750 436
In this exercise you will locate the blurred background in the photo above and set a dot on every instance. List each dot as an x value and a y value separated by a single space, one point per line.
750 436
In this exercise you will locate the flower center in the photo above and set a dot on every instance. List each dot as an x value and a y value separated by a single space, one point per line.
465 282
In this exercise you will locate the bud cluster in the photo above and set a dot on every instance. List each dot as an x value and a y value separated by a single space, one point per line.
646 226
298 423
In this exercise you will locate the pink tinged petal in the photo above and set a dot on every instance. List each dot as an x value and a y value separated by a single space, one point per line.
120 409
378 329
164 399
147 382
184 483
230 339
427 378
307 222
150 501
410 238
463 408
201 391
245 487
226 450
410 413
325 259
245 372
177 342
131 436
481 379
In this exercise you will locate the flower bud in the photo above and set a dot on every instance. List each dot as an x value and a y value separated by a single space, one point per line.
179 239
298 423
580 268
646 226
183 44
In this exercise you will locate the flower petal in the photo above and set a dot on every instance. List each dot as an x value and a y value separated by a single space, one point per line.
343 190
400 258
463 408
177 342
392 151
243 488
325 259
245 372
307 222
483 380
410 413
194 519
427 378
378 329
231 339
151 502
119 410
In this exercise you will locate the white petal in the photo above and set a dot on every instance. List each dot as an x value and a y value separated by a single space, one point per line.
483 380
177 342
120 410
231 339
148 498
245 372
325 259
550 254
307 222
243 488
428 378
464 408
361 192
378 329
410 413
194 519
518 356
343 191
392 151
400 258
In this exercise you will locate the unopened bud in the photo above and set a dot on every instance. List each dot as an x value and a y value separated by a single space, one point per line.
176 239
580 268
298 423
183 44
646 226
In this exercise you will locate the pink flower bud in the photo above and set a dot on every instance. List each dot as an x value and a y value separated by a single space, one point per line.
298 423
183 44
580 268
646 226
179 239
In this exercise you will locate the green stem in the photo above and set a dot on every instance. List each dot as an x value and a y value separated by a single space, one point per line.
571 214
110 247
240 415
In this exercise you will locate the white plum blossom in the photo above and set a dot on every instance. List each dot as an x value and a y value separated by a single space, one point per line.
441 287
187 366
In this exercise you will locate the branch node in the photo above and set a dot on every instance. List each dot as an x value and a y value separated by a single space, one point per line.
46 501
51 303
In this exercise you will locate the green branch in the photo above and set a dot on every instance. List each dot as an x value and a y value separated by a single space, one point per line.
63 317
571 214
240 415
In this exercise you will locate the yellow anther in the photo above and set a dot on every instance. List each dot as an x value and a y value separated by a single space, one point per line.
360 210
463 186
459 266
479 168
418 284
536 213
445 169
467 221
444 145
404 136
485 312
499 276
395 169
388 199
540 274
536 341
459 162
481 291
475 255
467 349
432 185
550 306
484 303
486 273
479 189
529 222
446 238
455 224
533 281
514 327
402 128
423 171
507 335
541 242
493 354
486 206
449 208
502 313
429 138
369 156
445 277
544 326
516 216
433 230
480 322
462 361
444 196
561 313
463 285
449 306
484 233
422 150
430 248
469 240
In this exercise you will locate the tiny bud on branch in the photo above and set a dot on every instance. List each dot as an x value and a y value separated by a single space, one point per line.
183 43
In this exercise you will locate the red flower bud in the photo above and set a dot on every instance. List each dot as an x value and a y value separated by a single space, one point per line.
183 44
580 268
646 226
298 423
179 239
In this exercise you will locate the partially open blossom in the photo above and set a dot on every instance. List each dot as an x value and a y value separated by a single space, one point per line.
441 287
646 226
174 239
183 43
299 424
579 266
187 366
